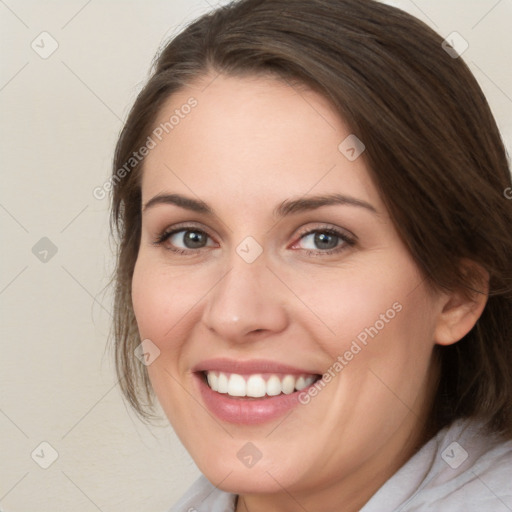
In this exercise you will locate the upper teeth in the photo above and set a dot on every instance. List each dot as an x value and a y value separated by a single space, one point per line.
256 385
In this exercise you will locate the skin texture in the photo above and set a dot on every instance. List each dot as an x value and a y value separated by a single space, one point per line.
249 145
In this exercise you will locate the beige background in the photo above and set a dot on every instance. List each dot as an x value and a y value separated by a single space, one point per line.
59 120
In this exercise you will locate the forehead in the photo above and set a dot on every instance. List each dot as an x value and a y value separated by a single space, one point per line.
251 136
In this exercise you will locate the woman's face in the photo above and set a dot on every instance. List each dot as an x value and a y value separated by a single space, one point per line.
268 259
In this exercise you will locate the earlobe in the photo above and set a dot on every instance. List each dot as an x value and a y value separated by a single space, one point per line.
461 310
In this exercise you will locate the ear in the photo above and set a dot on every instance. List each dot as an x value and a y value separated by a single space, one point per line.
459 312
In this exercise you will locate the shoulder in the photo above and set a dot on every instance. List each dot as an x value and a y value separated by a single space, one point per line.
461 469
203 496
472 470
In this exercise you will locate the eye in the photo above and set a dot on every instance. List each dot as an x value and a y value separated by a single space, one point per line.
316 242
324 241
185 239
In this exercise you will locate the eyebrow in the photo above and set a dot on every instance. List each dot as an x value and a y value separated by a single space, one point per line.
314 202
183 202
287 207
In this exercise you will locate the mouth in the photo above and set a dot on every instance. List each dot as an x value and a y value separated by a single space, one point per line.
251 392
258 385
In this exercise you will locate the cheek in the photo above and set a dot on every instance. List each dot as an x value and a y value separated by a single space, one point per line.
379 341
387 347
163 303
359 302
162 300
377 329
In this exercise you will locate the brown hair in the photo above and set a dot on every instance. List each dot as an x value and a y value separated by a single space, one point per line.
432 147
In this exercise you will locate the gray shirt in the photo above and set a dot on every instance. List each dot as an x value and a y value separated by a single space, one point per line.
461 469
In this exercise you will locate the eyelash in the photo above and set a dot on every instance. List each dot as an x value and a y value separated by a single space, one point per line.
346 240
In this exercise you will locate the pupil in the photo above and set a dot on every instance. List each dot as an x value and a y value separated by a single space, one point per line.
194 239
325 241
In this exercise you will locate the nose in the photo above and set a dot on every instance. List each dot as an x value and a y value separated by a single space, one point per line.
246 303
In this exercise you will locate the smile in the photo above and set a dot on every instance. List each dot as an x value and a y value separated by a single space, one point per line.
250 392
257 385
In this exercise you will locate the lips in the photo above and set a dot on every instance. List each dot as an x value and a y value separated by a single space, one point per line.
250 392
253 366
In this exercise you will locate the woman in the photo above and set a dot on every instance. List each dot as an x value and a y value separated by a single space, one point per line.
314 262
